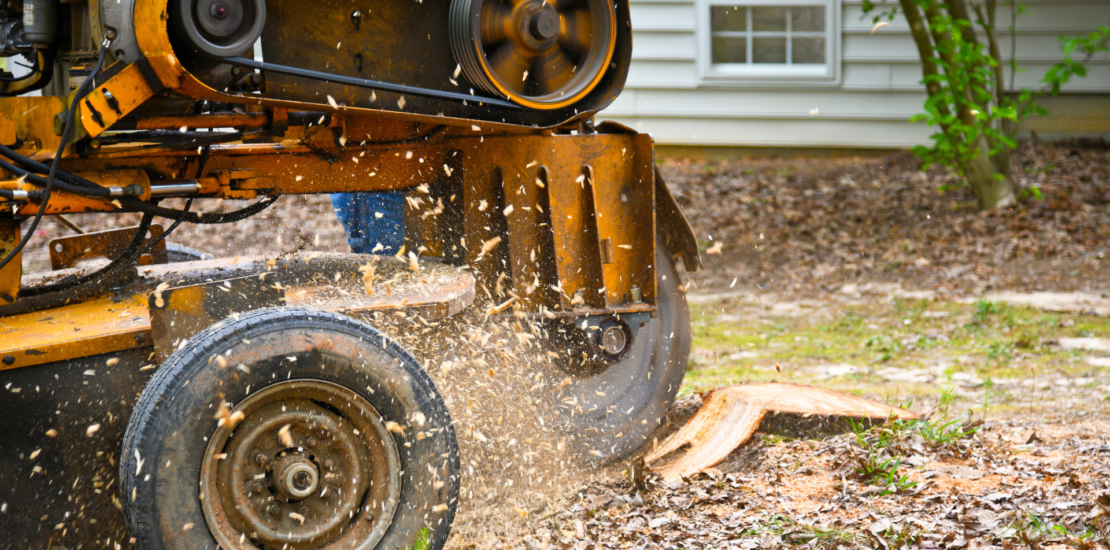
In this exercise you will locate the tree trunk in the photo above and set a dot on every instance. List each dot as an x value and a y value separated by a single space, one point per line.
992 184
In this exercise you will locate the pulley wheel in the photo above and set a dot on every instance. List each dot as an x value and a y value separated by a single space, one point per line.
543 54
220 28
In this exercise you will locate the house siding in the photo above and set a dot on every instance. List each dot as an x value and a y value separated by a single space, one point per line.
878 89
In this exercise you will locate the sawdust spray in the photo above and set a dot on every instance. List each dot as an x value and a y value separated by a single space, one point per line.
497 378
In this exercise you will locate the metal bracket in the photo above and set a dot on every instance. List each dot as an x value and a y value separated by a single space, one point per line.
177 314
66 252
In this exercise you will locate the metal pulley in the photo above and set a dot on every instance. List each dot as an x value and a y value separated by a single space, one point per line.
537 53
218 28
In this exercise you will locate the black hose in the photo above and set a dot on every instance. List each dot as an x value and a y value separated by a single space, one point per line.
67 132
69 183
130 253
34 69
10 194
169 230
32 165
189 203
134 249
35 179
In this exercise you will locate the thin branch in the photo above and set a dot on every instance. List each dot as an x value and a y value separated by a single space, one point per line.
1013 44
962 19
992 41
945 47
920 32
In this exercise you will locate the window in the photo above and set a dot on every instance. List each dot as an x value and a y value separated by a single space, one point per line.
769 41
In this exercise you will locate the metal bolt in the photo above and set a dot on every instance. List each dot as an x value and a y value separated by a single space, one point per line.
614 340
311 442
261 459
636 294
274 509
257 487
333 480
329 464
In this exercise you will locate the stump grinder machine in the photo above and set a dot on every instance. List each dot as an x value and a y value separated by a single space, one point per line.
157 398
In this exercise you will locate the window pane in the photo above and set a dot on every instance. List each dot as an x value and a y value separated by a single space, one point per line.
808 49
730 49
768 49
768 18
807 18
730 18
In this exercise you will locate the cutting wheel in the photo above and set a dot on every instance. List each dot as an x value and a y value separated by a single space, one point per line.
540 54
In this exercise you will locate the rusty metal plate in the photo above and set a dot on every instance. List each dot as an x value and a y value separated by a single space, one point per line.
66 252
11 274
176 314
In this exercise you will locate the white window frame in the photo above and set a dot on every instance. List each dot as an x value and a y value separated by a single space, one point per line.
769 75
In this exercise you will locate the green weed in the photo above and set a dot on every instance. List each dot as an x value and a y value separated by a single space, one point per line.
885 347
423 539
984 309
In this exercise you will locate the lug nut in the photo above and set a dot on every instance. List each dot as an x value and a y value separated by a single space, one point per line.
256 488
261 459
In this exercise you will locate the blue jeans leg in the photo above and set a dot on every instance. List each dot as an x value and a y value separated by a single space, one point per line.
370 219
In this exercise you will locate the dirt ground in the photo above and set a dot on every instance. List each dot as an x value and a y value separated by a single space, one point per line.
859 274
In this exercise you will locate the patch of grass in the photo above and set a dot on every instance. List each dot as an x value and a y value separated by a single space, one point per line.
984 309
742 343
880 460
1031 530
884 345
943 433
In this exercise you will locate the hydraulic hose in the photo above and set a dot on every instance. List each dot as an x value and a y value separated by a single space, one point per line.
67 133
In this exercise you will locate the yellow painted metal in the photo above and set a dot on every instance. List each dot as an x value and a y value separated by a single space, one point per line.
86 328
13 272
114 323
110 101
34 123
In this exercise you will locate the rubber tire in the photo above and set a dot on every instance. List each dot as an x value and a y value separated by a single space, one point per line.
176 253
646 381
174 417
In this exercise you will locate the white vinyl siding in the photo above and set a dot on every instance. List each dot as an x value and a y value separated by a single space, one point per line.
670 95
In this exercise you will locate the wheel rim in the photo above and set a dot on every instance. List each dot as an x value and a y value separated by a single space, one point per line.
310 465
541 54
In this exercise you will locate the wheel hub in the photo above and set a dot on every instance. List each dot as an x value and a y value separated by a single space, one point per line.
310 466
538 26
295 477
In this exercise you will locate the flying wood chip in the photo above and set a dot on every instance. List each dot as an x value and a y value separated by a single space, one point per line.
729 416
